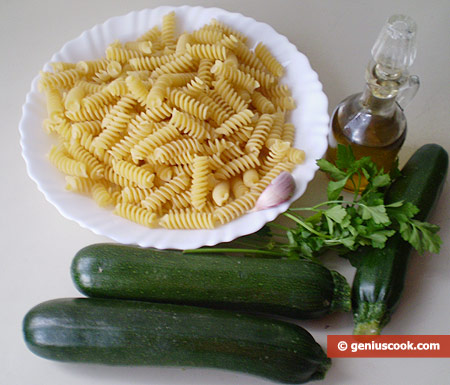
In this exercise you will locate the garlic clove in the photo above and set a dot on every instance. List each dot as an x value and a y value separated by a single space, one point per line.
278 191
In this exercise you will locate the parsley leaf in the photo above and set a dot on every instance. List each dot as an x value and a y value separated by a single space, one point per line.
330 169
422 235
345 158
377 213
336 213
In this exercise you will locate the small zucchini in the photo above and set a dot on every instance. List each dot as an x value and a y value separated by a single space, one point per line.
380 274
126 332
292 288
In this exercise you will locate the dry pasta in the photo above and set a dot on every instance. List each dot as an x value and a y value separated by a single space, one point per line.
187 220
221 192
199 189
250 177
179 131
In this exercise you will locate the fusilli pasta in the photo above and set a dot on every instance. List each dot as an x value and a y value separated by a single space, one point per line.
179 131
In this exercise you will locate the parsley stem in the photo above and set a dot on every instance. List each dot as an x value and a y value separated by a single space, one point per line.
278 226
303 224
253 243
357 187
314 208
231 250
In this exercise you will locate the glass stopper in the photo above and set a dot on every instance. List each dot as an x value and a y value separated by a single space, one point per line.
394 50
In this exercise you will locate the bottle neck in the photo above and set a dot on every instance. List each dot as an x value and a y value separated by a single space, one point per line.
381 90
385 106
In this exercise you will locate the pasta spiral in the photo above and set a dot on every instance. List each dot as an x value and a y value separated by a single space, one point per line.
221 192
157 114
153 34
188 104
181 63
227 30
238 187
90 67
204 71
164 172
95 169
206 36
122 149
113 177
138 88
277 152
62 66
67 165
62 79
236 208
295 155
87 114
259 134
151 62
101 195
79 184
93 127
89 86
108 137
120 114
235 122
236 76
250 177
182 200
262 104
207 51
134 194
199 188
268 60
146 146
276 130
263 182
145 47
265 79
248 57
176 147
190 125
229 94
238 165
168 30
288 134
159 90
166 192
97 100
218 110
195 87
122 55
72 101
138 175
187 220
136 214
55 106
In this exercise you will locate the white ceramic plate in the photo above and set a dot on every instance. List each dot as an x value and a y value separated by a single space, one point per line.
310 118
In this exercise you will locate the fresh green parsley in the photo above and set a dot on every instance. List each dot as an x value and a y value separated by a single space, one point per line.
340 224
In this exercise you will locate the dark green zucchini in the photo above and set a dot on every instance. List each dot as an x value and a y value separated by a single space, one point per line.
126 332
298 289
380 274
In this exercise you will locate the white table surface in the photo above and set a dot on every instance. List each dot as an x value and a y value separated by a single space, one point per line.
336 35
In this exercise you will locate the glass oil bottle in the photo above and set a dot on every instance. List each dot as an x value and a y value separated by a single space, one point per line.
373 122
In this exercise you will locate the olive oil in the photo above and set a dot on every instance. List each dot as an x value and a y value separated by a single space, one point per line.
368 134
372 122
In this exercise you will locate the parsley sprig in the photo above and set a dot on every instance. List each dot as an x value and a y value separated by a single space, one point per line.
363 221
342 224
